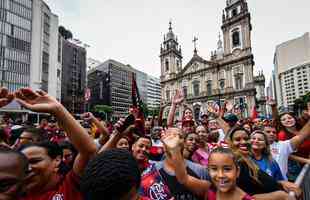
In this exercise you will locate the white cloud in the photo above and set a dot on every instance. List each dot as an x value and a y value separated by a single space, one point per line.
131 30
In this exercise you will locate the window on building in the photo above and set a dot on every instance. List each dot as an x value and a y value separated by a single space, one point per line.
196 88
209 88
178 64
185 91
239 82
168 95
234 12
167 65
12 29
236 38
222 84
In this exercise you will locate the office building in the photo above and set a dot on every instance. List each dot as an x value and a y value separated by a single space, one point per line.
29 54
73 76
292 70
153 92
45 55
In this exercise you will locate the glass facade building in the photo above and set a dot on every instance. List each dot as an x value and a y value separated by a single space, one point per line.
15 42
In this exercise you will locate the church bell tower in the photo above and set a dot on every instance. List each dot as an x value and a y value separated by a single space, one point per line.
170 55
236 28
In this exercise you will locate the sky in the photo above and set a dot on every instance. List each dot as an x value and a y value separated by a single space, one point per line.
131 31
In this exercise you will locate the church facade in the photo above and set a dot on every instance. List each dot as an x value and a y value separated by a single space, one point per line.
226 76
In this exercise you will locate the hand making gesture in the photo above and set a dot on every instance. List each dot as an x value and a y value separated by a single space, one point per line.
38 101
178 98
172 140
5 97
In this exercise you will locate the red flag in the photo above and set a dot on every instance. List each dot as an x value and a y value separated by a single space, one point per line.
254 113
137 104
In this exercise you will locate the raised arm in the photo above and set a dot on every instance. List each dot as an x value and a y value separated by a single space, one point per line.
100 126
161 112
300 159
274 109
176 100
218 113
115 136
278 195
173 143
41 102
304 133
5 97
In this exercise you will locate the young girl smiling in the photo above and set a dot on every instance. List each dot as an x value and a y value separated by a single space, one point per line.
224 171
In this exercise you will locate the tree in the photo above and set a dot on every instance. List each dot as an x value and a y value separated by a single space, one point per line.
67 34
103 109
301 103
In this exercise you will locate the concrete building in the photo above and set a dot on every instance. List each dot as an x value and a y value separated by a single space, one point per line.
292 70
15 39
45 55
271 92
99 83
141 79
73 76
110 84
29 37
153 92
16 25
228 75
114 87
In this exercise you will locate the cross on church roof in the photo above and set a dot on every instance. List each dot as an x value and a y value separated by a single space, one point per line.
195 44
170 25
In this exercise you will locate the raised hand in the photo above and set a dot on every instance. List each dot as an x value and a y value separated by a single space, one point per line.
229 106
271 102
214 110
38 101
88 116
119 124
178 98
172 140
5 97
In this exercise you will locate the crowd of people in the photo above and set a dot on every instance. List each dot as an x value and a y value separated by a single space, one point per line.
220 156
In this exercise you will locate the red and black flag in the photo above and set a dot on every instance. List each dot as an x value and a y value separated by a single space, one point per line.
138 106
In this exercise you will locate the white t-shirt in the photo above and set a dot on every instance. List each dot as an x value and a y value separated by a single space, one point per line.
221 136
280 152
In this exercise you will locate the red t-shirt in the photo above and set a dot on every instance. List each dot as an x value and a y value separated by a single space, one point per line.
212 195
67 189
303 149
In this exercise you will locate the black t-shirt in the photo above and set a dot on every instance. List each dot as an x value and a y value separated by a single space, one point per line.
179 191
250 186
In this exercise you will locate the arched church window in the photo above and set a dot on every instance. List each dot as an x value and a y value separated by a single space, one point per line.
167 65
222 84
236 38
